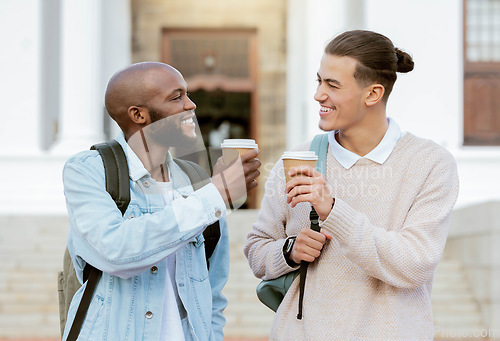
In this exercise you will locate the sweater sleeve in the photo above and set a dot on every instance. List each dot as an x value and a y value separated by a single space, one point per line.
264 245
401 256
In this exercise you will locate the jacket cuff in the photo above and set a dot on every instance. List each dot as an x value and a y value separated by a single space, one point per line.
206 205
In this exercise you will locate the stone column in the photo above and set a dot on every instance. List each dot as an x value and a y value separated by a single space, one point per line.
116 44
82 98
19 63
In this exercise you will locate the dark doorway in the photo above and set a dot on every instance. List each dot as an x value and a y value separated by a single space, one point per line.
220 68
222 115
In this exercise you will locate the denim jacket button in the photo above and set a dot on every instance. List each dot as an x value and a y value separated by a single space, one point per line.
154 270
131 216
146 183
218 213
149 315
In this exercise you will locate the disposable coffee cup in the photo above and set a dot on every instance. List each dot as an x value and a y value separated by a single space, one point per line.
299 158
232 148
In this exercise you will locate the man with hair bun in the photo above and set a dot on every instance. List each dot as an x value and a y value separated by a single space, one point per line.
384 209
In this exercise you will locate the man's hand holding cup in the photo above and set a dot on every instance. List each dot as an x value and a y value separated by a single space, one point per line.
236 171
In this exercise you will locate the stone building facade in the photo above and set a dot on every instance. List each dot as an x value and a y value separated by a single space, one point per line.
262 24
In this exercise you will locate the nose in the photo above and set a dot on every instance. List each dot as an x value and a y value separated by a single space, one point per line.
320 95
189 104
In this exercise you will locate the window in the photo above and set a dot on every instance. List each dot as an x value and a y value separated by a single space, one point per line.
482 72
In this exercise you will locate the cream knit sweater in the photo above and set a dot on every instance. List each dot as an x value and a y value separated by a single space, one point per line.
373 280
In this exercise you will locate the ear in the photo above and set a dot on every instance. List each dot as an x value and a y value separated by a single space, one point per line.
138 115
375 94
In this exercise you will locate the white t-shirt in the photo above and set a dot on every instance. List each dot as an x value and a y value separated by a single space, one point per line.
171 326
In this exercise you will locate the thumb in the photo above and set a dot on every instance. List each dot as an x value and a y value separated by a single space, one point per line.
326 234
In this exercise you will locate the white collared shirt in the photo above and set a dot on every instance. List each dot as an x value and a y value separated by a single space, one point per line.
379 154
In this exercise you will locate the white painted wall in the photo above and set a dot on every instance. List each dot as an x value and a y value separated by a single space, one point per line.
311 24
116 43
426 101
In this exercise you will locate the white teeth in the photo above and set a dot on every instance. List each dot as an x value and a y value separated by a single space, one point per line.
188 121
325 109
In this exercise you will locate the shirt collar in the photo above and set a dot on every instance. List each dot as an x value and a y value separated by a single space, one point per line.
379 154
135 166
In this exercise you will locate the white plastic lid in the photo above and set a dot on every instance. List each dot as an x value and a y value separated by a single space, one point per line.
239 143
300 155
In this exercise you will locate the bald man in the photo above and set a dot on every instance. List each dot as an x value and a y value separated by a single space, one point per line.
155 283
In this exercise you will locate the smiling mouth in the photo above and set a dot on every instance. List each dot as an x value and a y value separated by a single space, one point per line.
188 119
325 110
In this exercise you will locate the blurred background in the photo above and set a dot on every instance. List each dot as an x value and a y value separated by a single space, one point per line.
251 68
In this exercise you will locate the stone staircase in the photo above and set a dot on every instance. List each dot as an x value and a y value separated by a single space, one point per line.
31 250
245 315
454 308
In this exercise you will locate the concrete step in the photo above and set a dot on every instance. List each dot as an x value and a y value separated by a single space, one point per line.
29 324
453 305
19 308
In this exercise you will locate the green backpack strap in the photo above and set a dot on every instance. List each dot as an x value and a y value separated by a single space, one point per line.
319 145
200 178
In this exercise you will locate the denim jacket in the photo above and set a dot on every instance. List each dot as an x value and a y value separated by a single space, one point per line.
131 251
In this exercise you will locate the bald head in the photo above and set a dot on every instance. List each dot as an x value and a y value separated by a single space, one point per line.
133 86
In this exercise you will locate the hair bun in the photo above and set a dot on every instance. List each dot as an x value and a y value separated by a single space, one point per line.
405 61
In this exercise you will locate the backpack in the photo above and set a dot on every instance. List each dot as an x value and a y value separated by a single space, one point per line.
118 186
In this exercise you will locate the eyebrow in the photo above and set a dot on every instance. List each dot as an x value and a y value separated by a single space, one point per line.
329 80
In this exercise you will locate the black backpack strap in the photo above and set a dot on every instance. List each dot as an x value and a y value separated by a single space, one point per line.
93 279
314 218
116 171
200 178
196 174
118 186
320 146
